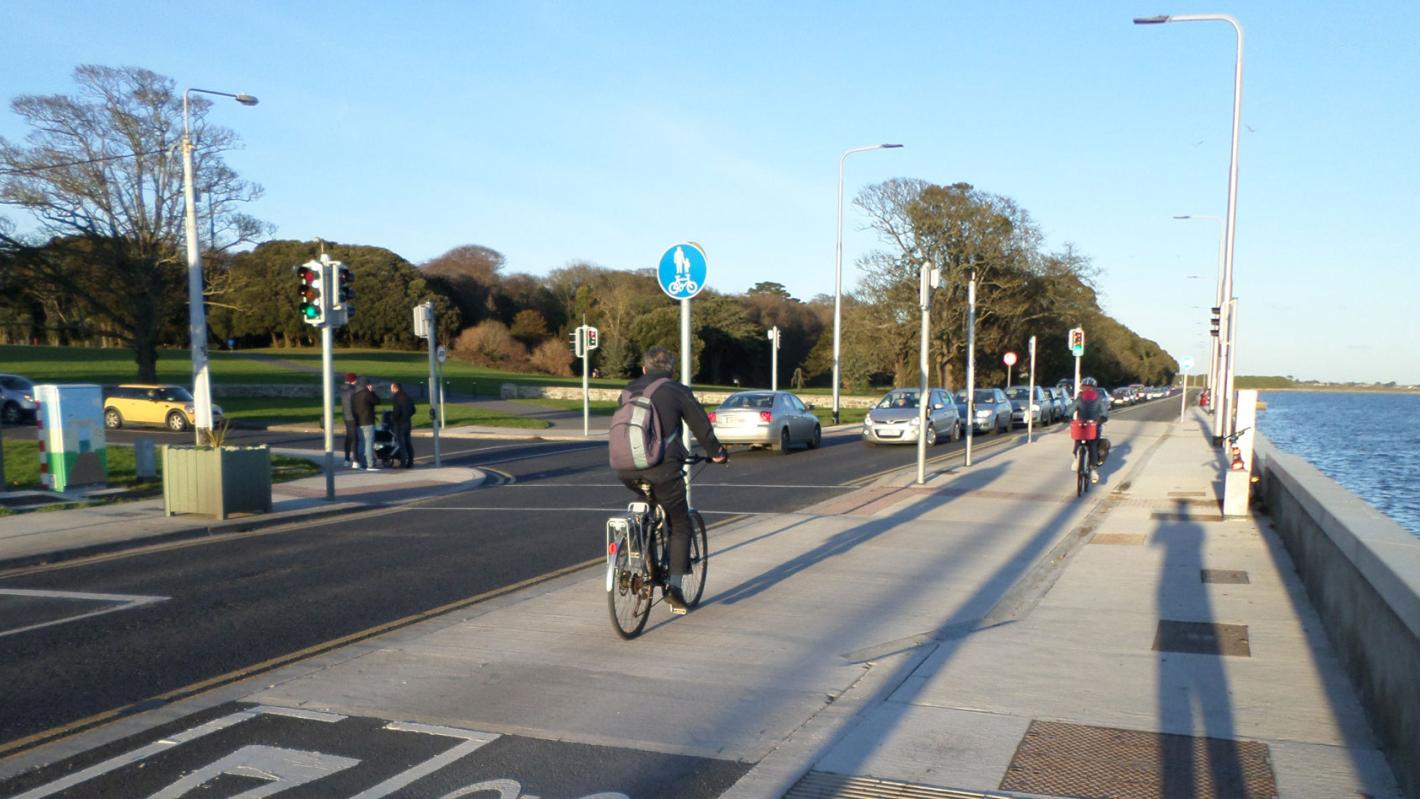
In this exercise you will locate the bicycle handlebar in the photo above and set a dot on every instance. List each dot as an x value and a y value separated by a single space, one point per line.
692 459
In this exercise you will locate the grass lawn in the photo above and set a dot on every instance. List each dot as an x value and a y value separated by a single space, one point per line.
596 407
289 410
22 466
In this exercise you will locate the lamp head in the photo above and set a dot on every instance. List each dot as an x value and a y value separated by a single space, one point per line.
245 99
889 146
1159 20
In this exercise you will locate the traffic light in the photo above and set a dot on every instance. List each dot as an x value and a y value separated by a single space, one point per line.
1216 322
1077 341
310 291
343 291
577 343
591 342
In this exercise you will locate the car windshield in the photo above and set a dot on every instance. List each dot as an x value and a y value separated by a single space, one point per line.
176 394
16 383
1018 393
748 401
985 397
899 399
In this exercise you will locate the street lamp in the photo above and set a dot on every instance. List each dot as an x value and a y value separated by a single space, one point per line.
196 313
838 269
1229 353
1214 350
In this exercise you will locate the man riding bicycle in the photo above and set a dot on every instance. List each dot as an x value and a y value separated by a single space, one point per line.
674 403
1093 405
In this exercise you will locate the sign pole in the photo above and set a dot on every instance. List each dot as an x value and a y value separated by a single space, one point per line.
970 363
1183 402
774 358
685 379
1030 427
433 384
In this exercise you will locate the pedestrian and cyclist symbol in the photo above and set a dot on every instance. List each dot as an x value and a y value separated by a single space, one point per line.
682 271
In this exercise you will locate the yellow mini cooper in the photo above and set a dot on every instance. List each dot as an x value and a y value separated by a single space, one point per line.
167 406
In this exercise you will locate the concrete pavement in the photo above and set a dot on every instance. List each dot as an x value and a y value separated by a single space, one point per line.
986 634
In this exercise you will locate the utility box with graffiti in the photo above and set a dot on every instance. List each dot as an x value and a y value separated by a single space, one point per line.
71 436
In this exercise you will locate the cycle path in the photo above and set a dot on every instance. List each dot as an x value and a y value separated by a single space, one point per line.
987 634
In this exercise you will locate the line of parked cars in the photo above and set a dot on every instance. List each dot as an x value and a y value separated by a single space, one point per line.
167 406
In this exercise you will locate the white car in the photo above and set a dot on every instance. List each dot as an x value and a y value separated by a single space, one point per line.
775 419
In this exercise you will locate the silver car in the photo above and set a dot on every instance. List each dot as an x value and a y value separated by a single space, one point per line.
17 399
896 418
1040 406
766 419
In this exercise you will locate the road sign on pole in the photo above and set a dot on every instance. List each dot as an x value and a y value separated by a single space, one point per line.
682 271
1010 360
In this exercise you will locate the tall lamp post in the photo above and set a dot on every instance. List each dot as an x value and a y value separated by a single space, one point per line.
838 270
1227 368
196 313
1215 349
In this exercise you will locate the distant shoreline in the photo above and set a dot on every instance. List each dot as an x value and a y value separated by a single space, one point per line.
1348 389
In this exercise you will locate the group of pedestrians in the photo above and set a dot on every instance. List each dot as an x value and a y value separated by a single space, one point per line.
357 405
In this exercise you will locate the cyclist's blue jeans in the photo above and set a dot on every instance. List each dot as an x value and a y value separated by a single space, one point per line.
668 489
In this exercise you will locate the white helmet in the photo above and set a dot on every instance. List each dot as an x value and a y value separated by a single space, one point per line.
1089 381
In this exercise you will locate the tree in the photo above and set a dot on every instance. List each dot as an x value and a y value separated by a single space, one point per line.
101 177
469 276
769 287
529 327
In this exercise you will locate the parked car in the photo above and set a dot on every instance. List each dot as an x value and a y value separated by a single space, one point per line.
166 406
993 410
1121 396
897 417
775 419
1024 401
1061 406
17 399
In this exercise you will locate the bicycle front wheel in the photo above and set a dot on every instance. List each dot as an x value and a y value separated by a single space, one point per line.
1082 469
628 593
693 585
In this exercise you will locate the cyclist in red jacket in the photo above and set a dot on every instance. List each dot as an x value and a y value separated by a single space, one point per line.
1093 405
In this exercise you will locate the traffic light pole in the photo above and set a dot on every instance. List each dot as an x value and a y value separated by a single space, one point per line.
970 364
1030 427
586 387
327 362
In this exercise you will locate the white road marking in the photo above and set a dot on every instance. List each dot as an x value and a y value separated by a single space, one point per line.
124 602
697 485
282 769
591 510
471 742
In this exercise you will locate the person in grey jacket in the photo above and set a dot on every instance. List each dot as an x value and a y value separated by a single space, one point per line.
353 445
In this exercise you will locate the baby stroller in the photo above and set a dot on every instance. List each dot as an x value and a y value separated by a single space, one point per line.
386 444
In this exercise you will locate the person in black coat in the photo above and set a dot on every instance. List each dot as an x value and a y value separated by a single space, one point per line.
402 419
363 403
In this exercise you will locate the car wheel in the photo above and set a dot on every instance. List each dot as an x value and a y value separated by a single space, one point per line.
112 418
176 421
10 414
931 436
784 441
817 438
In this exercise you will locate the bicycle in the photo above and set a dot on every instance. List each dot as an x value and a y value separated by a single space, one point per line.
1083 431
638 560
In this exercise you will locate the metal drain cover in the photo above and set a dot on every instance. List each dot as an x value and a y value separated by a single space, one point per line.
822 785
1202 638
1058 759
1233 576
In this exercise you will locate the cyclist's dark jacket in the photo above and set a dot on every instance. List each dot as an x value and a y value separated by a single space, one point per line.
674 402
1093 404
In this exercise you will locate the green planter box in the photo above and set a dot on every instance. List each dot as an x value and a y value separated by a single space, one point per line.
216 481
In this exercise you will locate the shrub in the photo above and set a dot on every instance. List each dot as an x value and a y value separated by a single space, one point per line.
489 343
552 357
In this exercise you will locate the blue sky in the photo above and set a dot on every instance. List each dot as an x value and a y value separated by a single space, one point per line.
599 131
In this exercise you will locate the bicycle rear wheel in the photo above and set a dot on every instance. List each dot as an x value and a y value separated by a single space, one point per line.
1082 469
693 584
628 593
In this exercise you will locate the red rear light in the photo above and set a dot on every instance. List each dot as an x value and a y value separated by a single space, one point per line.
611 549
712 417
764 416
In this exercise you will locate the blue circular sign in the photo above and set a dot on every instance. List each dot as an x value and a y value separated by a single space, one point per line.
682 271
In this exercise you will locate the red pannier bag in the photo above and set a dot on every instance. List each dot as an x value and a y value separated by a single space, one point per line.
1084 429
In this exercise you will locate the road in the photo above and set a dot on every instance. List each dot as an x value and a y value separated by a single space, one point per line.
223 608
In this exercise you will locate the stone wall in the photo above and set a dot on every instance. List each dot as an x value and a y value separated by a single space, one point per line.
1362 572
532 391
